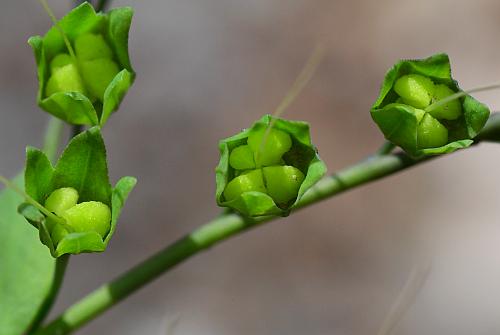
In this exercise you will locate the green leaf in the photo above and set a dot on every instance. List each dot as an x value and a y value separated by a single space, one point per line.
449 148
118 198
399 122
31 214
120 20
302 155
76 243
114 93
74 107
476 114
26 267
83 166
38 174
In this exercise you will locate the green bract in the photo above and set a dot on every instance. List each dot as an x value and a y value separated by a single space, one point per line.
78 192
405 114
266 171
86 89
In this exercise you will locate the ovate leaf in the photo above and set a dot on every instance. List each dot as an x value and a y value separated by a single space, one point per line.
26 267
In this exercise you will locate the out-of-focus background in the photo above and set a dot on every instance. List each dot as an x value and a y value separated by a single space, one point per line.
208 68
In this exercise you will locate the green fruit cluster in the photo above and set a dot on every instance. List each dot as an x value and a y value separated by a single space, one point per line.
79 217
259 167
420 92
89 72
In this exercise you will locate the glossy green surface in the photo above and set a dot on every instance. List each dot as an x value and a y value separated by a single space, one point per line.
250 181
431 133
97 75
89 216
283 182
65 79
59 61
92 46
449 111
268 146
241 158
61 199
415 90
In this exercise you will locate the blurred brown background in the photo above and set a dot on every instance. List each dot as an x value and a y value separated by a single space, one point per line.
208 68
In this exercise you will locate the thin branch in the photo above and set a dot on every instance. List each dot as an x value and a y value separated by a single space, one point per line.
102 5
60 269
79 2
75 130
52 138
222 228
385 149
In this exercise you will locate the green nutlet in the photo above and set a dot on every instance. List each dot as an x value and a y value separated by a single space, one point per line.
251 181
452 110
65 79
61 200
242 158
92 46
431 133
97 74
283 182
89 216
415 90
268 145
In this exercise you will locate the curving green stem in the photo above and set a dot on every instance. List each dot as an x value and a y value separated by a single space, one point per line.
60 270
224 227
385 148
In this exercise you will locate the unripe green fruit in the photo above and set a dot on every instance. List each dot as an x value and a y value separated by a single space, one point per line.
431 133
65 79
274 146
241 158
89 216
58 233
92 46
449 111
419 113
97 74
61 199
250 181
283 182
59 61
415 90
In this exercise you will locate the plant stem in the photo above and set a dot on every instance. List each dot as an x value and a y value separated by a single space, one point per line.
52 138
61 264
220 229
385 148
79 2
75 130
102 5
